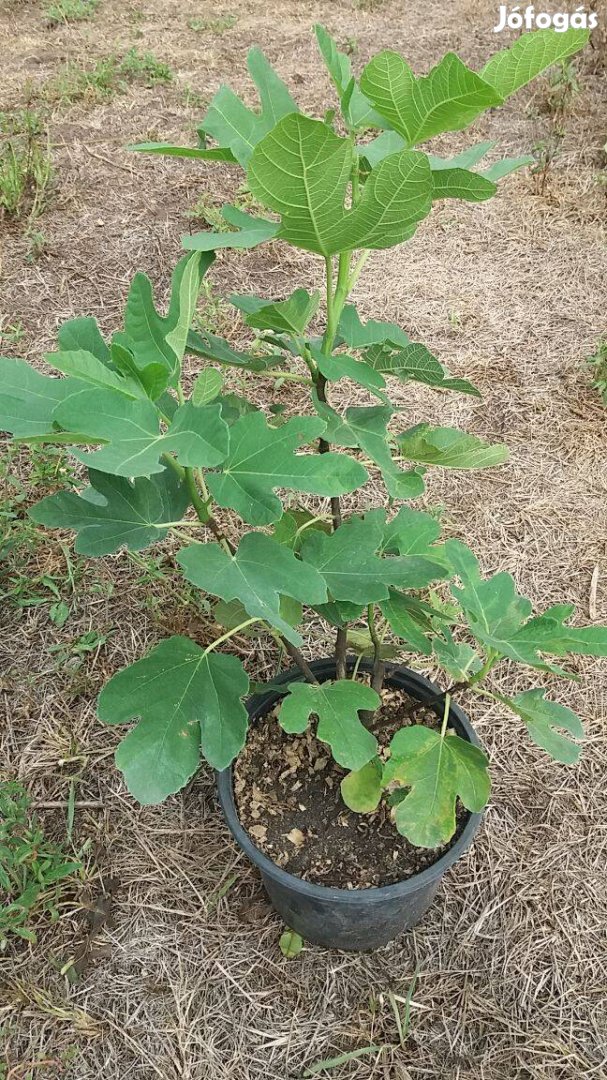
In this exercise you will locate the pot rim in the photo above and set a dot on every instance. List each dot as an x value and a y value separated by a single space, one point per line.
416 685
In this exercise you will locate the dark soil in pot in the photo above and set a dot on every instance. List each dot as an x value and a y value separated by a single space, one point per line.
287 792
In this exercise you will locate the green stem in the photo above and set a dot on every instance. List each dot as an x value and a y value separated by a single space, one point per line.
200 505
464 684
335 304
356 272
356 667
295 655
174 465
289 376
490 662
176 525
229 634
308 524
443 729
379 668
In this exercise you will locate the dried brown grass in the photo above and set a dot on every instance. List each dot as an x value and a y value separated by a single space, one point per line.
185 982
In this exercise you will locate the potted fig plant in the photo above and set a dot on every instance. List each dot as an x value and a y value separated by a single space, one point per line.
351 781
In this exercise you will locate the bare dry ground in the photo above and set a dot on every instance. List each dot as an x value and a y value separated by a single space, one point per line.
185 980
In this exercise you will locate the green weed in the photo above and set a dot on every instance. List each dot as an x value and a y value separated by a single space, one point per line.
69 11
21 537
563 88
80 647
218 25
598 363
192 99
204 211
25 164
11 334
215 314
545 152
34 873
109 76
37 244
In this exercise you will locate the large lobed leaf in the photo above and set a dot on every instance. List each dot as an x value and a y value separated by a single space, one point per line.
500 618
336 704
352 562
359 335
188 701
449 448
115 512
357 111
517 65
546 721
451 96
262 458
290 316
129 430
83 333
29 399
366 428
233 125
438 769
259 572
218 349
415 363
246 232
302 169
160 340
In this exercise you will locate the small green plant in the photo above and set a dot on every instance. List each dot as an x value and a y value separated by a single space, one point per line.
25 164
144 67
217 25
62 11
10 333
34 873
37 244
545 153
201 466
206 212
110 75
192 99
563 88
598 364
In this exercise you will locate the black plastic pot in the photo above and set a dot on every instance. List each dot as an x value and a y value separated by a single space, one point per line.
356 919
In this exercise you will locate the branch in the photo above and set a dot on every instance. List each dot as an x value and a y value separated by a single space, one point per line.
379 668
300 660
434 699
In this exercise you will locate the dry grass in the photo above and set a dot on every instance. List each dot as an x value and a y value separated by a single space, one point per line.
183 981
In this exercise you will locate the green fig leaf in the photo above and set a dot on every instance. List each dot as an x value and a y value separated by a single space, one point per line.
83 333
259 572
449 448
301 170
188 701
449 98
531 54
28 399
239 128
336 704
116 513
246 232
546 721
197 436
262 458
289 316
362 790
438 770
